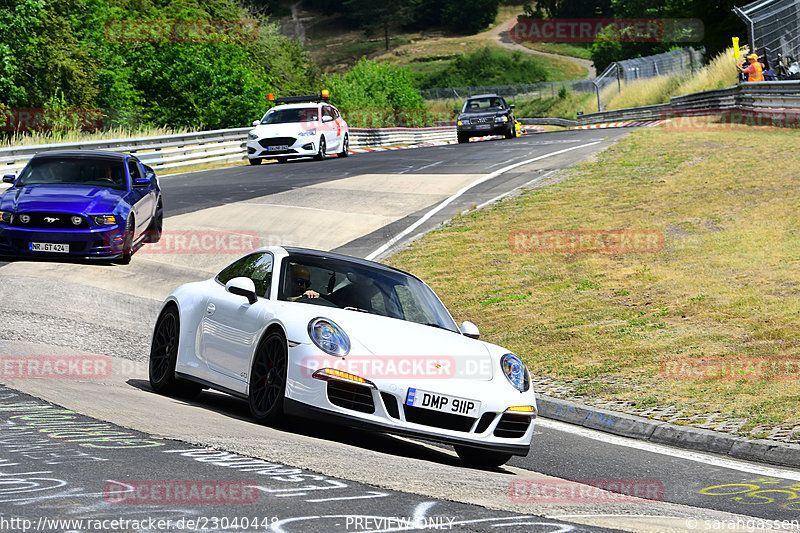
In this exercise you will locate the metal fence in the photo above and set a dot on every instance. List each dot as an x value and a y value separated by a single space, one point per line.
675 62
773 27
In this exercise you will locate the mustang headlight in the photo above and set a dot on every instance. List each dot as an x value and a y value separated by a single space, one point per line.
515 371
307 133
501 119
104 220
252 136
329 337
6 217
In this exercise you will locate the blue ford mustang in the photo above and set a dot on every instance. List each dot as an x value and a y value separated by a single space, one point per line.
81 204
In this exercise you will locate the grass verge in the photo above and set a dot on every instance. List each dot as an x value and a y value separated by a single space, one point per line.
726 284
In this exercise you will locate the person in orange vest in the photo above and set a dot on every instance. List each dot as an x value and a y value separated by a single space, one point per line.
754 71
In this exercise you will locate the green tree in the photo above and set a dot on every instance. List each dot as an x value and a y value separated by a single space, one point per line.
372 15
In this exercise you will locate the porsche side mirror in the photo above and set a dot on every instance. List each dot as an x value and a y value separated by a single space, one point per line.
468 329
9 178
242 287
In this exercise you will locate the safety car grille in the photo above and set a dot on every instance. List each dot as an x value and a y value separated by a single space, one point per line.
277 141
427 417
351 396
512 426
48 220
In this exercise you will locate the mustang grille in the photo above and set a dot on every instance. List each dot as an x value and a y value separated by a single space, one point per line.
512 426
427 417
277 141
37 219
351 396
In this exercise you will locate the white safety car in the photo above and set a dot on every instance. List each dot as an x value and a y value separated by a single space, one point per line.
320 335
299 126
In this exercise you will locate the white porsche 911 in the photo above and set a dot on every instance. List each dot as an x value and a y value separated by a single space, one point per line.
321 335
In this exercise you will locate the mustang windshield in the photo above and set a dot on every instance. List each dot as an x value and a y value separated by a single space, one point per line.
364 288
75 171
287 116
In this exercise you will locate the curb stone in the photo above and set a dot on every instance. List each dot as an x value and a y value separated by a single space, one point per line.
658 432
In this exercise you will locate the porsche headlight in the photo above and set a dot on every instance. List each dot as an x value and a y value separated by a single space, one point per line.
6 216
515 372
252 136
307 133
328 337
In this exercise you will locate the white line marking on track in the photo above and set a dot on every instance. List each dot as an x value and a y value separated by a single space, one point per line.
422 167
452 198
699 457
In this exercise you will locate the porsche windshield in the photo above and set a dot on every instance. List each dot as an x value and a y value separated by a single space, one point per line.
287 116
360 287
75 171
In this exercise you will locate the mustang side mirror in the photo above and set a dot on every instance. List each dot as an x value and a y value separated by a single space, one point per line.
256 122
243 287
9 178
468 329
142 182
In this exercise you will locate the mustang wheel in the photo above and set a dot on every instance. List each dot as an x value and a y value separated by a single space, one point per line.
127 243
268 379
164 355
481 458
156 225
321 154
345 147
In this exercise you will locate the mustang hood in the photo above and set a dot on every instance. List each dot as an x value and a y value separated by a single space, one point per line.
65 198
417 346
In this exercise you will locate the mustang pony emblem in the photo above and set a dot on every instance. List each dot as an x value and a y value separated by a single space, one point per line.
50 220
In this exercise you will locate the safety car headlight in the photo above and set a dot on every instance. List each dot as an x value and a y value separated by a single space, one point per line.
328 337
252 136
307 133
515 372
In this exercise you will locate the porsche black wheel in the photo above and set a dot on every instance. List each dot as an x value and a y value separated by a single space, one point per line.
268 379
164 356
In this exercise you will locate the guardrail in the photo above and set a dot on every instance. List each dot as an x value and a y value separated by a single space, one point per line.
548 122
761 96
216 146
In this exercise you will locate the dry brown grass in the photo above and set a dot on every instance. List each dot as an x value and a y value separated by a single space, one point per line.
726 284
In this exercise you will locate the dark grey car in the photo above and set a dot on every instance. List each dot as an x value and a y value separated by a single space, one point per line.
486 114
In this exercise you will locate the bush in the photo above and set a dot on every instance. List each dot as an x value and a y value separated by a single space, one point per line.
377 95
487 67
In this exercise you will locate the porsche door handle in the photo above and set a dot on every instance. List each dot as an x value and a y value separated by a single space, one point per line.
210 309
